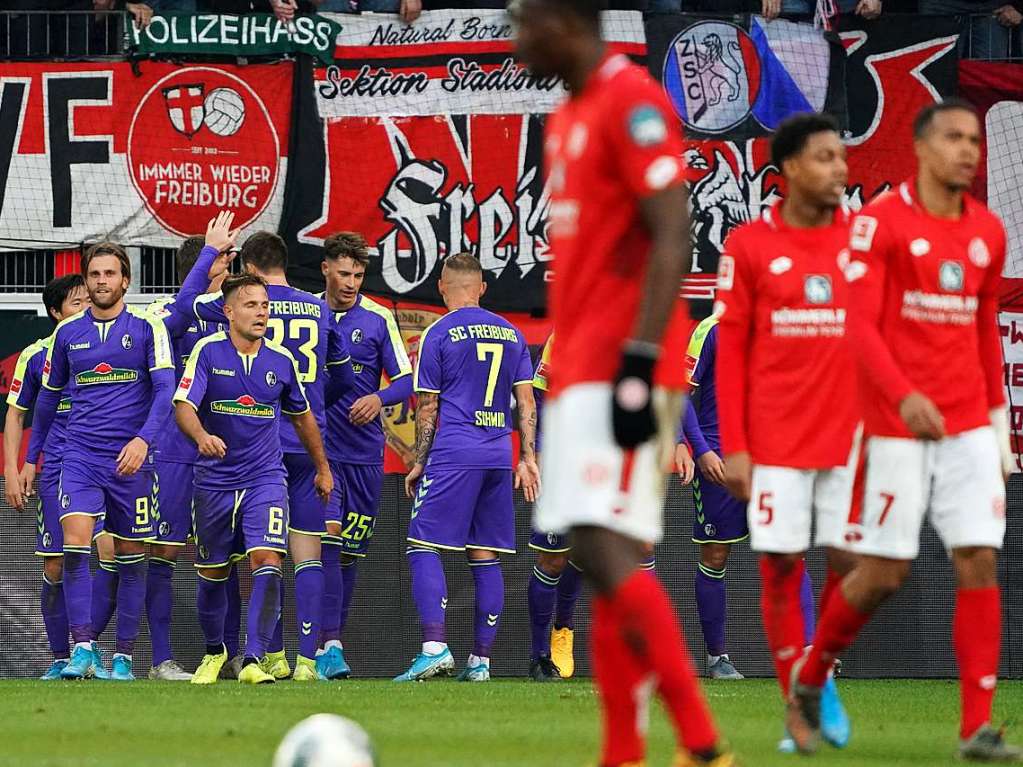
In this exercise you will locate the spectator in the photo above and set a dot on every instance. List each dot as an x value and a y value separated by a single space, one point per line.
868 9
987 25
409 10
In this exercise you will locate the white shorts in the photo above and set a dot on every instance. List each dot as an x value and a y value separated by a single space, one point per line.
784 502
958 481
588 480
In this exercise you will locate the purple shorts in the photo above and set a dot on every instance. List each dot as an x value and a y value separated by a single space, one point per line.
457 508
173 516
49 534
231 523
360 501
308 511
93 487
719 517
550 543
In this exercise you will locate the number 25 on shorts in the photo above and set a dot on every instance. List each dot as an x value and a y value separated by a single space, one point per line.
765 508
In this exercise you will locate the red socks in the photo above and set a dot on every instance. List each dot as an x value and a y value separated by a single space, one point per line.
977 637
619 679
837 629
648 632
830 584
782 616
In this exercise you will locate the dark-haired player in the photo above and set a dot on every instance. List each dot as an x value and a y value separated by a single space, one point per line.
176 455
119 361
235 387
62 297
303 324
471 363
923 277
783 359
618 232
355 436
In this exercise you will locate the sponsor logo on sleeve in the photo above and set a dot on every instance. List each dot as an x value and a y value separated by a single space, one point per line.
862 235
979 253
646 126
726 272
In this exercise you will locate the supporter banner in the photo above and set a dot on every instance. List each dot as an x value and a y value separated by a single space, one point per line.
255 34
891 71
1011 326
446 62
997 92
95 150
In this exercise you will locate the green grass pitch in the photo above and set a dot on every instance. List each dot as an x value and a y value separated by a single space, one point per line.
442 723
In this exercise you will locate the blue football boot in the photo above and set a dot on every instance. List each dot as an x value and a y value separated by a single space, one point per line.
53 672
835 727
81 665
478 673
332 664
425 666
121 669
98 665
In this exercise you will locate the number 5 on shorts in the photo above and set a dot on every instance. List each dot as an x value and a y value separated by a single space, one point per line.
276 526
765 509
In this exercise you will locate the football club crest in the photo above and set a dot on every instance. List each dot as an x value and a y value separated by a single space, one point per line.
709 530
271 378
817 288
164 528
47 540
204 553
712 76
186 107
357 336
950 276
126 342
65 501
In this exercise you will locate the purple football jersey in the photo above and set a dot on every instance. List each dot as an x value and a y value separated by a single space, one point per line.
304 325
240 398
28 378
473 359
110 365
372 336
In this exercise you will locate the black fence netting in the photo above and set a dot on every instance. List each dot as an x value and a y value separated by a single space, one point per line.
910 637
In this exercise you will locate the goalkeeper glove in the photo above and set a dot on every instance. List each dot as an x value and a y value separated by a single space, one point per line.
632 415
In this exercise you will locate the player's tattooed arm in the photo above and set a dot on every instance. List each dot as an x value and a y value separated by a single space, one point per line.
426 425
526 404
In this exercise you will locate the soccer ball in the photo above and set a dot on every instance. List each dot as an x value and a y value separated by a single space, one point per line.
225 111
325 740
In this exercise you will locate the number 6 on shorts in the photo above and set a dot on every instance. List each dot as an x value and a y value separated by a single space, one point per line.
276 525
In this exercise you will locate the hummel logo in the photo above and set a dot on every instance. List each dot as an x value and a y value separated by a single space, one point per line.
426 482
444 603
492 619
307 628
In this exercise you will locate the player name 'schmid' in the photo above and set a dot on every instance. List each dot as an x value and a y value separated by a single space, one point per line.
495 332
491 418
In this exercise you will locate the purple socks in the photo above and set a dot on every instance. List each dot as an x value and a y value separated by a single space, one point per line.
159 606
131 595
78 592
276 643
569 588
349 570
806 605
211 604
233 616
104 596
308 605
51 603
429 591
711 603
489 603
330 619
543 590
264 609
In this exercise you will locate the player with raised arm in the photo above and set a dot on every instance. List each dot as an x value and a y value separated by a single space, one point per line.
619 235
556 583
301 323
355 436
62 297
118 360
176 455
471 363
923 274
235 387
783 359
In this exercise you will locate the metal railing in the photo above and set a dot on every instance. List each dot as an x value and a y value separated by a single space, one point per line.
43 35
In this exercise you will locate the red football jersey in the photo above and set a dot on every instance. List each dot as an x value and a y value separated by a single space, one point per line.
925 310
785 375
607 148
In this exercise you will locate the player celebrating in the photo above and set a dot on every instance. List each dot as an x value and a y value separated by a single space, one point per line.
234 388
120 362
355 436
301 323
924 277
782 350
62 297
618 232
470 363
